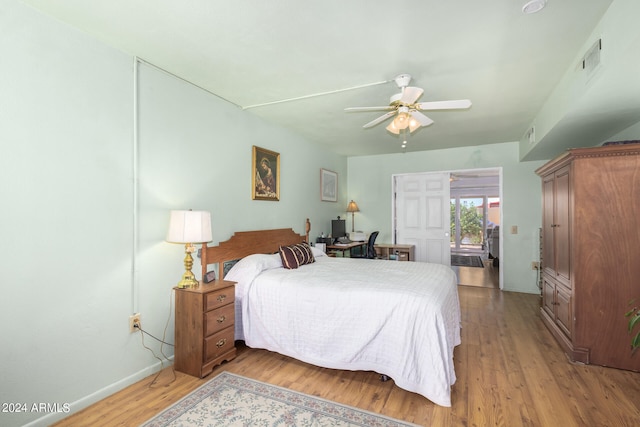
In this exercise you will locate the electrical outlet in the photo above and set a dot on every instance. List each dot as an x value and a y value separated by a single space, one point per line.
134 322
535 265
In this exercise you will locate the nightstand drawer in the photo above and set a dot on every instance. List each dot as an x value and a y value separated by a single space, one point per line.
218 344
218 319
219 298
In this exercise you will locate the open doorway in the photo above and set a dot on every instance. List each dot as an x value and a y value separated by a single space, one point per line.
475 208
422 218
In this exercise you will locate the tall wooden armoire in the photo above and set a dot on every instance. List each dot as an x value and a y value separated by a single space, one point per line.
591 251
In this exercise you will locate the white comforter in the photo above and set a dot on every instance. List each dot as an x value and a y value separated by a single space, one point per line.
401 319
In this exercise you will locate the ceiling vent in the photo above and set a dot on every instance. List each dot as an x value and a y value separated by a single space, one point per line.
591 59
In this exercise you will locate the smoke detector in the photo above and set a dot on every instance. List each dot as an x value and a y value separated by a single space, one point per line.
534 6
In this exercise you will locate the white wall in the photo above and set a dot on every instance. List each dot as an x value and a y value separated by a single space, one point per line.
370 186
67 196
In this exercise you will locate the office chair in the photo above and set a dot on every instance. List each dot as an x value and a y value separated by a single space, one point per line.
371 251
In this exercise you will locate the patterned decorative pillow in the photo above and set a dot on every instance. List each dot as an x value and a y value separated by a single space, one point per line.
293 256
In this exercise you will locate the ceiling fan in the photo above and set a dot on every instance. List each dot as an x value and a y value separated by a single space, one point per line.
408 114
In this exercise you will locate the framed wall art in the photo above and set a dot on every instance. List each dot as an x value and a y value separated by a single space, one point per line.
328 186
265 174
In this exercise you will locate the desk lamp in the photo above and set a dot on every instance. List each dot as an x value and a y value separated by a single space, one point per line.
189 227
353 208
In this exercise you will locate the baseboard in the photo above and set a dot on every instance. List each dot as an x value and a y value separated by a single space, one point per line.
97 396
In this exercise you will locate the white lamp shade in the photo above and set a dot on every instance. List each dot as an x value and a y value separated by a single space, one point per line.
189 227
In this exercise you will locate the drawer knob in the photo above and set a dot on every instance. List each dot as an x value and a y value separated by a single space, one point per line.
221 298
222 319
222 342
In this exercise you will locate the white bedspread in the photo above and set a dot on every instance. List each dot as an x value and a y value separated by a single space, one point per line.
396 318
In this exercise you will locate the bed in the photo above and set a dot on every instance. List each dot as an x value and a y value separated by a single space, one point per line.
399 319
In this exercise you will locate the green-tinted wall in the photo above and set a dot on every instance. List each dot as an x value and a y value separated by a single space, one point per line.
370 179
83 225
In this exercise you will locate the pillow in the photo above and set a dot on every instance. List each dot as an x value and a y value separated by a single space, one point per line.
293 256
250 266
317 252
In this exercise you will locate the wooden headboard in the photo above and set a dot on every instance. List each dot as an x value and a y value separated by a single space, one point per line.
245 243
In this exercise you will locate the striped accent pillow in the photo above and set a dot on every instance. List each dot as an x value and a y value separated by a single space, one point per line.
293 256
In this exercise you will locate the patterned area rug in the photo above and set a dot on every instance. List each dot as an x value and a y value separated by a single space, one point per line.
466 261
232 400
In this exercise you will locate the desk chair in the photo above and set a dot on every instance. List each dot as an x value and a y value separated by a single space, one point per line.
371 251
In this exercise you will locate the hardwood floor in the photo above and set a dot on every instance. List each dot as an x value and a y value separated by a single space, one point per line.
487 277
510 372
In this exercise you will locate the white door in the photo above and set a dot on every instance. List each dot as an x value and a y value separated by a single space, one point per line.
422 215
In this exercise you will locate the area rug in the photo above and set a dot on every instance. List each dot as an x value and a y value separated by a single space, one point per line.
466 261
232 400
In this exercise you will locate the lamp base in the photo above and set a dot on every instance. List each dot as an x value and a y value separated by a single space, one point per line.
188 278
188 281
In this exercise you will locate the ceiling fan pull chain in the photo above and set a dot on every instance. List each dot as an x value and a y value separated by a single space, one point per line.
407 132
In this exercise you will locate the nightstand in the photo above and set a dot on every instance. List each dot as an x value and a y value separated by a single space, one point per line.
204 328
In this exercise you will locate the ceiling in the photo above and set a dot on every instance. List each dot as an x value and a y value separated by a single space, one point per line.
253 52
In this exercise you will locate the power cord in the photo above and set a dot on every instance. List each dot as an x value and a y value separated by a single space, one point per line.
162 342
136 326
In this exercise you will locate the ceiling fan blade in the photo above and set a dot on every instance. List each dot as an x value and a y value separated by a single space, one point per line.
444 105
421 118
387 107
379 119
410 94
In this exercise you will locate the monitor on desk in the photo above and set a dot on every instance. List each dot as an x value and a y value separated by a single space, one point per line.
338 228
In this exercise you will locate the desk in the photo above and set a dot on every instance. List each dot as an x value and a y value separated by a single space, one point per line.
346 247
402 252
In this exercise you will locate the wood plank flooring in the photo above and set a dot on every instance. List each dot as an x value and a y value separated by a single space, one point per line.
487 277
510 372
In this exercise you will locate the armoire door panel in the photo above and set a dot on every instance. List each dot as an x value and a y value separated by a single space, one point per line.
548 254
562 226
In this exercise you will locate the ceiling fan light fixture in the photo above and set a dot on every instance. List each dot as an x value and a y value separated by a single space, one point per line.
534 6
392 128
406 122
401 121
413 124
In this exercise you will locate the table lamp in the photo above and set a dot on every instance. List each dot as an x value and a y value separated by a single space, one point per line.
353 208
189 227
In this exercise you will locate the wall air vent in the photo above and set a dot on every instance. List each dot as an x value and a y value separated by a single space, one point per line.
591 59
530 136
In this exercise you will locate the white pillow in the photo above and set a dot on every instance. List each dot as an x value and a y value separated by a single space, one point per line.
317 252
249 267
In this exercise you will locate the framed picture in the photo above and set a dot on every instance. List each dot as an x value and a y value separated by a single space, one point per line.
265 174
328 186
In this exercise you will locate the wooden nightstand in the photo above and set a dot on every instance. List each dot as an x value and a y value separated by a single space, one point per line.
204 328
